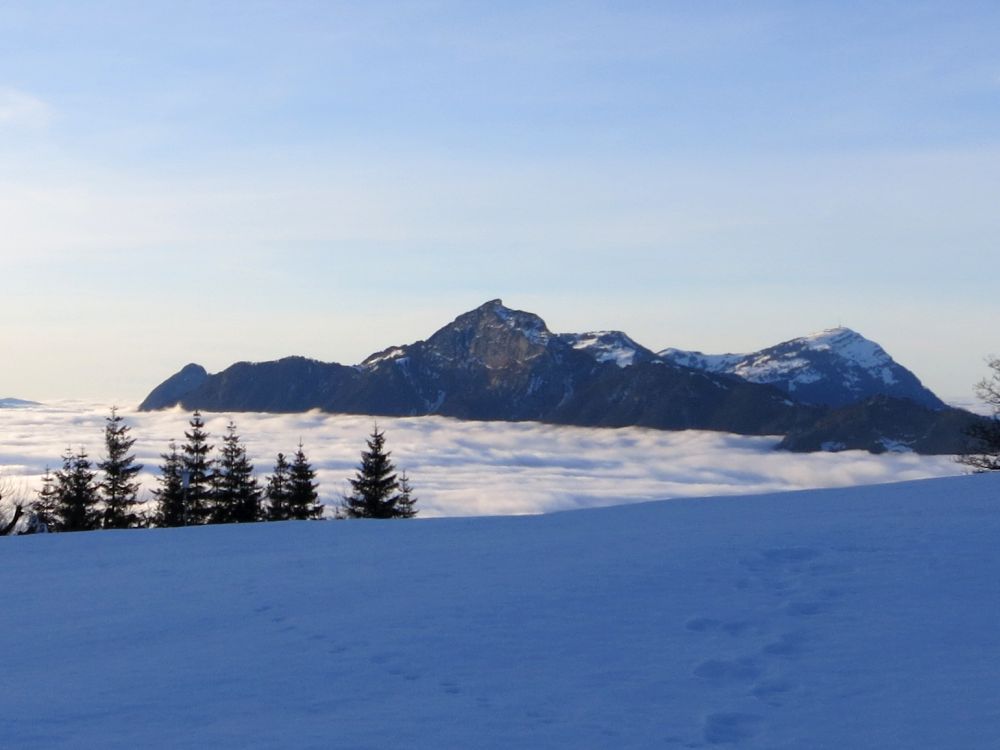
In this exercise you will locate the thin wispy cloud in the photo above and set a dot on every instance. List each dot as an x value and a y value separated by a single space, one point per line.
21 109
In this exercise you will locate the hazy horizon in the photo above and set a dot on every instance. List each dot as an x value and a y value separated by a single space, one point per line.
131 398
245 181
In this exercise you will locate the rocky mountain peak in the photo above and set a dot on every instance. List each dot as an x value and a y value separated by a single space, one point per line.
829 388
494 314
492 335
170 391
841 348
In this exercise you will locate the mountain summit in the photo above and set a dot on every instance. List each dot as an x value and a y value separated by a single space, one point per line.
496 363
493 336
835 367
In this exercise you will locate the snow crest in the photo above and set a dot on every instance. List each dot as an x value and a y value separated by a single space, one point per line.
606 346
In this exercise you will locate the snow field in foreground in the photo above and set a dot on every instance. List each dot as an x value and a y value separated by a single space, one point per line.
849 618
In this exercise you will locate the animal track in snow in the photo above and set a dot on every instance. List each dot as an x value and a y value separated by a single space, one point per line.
792 559
721 672
721 728
793 583
710 624
450 687
771 691
806 608
788 644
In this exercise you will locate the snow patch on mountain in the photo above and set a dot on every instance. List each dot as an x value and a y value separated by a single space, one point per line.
608 346
795 370
701 361
786 361
835 367
529 324
394 352
852 346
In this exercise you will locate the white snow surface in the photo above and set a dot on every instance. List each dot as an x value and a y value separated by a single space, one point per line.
532 326
702 361
392 353
464 468
767 369
605 346
853 349
862 618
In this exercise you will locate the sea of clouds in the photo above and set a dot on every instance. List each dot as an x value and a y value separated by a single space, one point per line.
461 468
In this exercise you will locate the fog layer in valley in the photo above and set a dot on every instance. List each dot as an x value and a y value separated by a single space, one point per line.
471 468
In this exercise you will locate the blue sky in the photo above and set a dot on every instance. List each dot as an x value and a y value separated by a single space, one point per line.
218 181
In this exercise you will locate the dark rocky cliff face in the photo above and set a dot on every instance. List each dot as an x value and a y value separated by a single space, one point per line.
490 363
286 385
494 363
172 390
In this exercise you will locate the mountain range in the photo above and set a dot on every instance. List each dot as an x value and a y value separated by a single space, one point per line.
16 403
834 390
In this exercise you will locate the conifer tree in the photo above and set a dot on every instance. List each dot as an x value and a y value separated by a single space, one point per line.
119 488
171 496
236 495
198 469
406 503
76 494
375 487
43 510
278 488
303 498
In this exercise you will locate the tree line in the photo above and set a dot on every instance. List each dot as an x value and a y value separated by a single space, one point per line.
196 487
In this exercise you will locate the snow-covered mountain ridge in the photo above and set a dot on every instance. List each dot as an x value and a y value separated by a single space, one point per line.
834 367
496 363
609 346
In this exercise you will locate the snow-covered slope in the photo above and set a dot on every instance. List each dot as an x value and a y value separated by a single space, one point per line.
834 367
609 346
862 618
